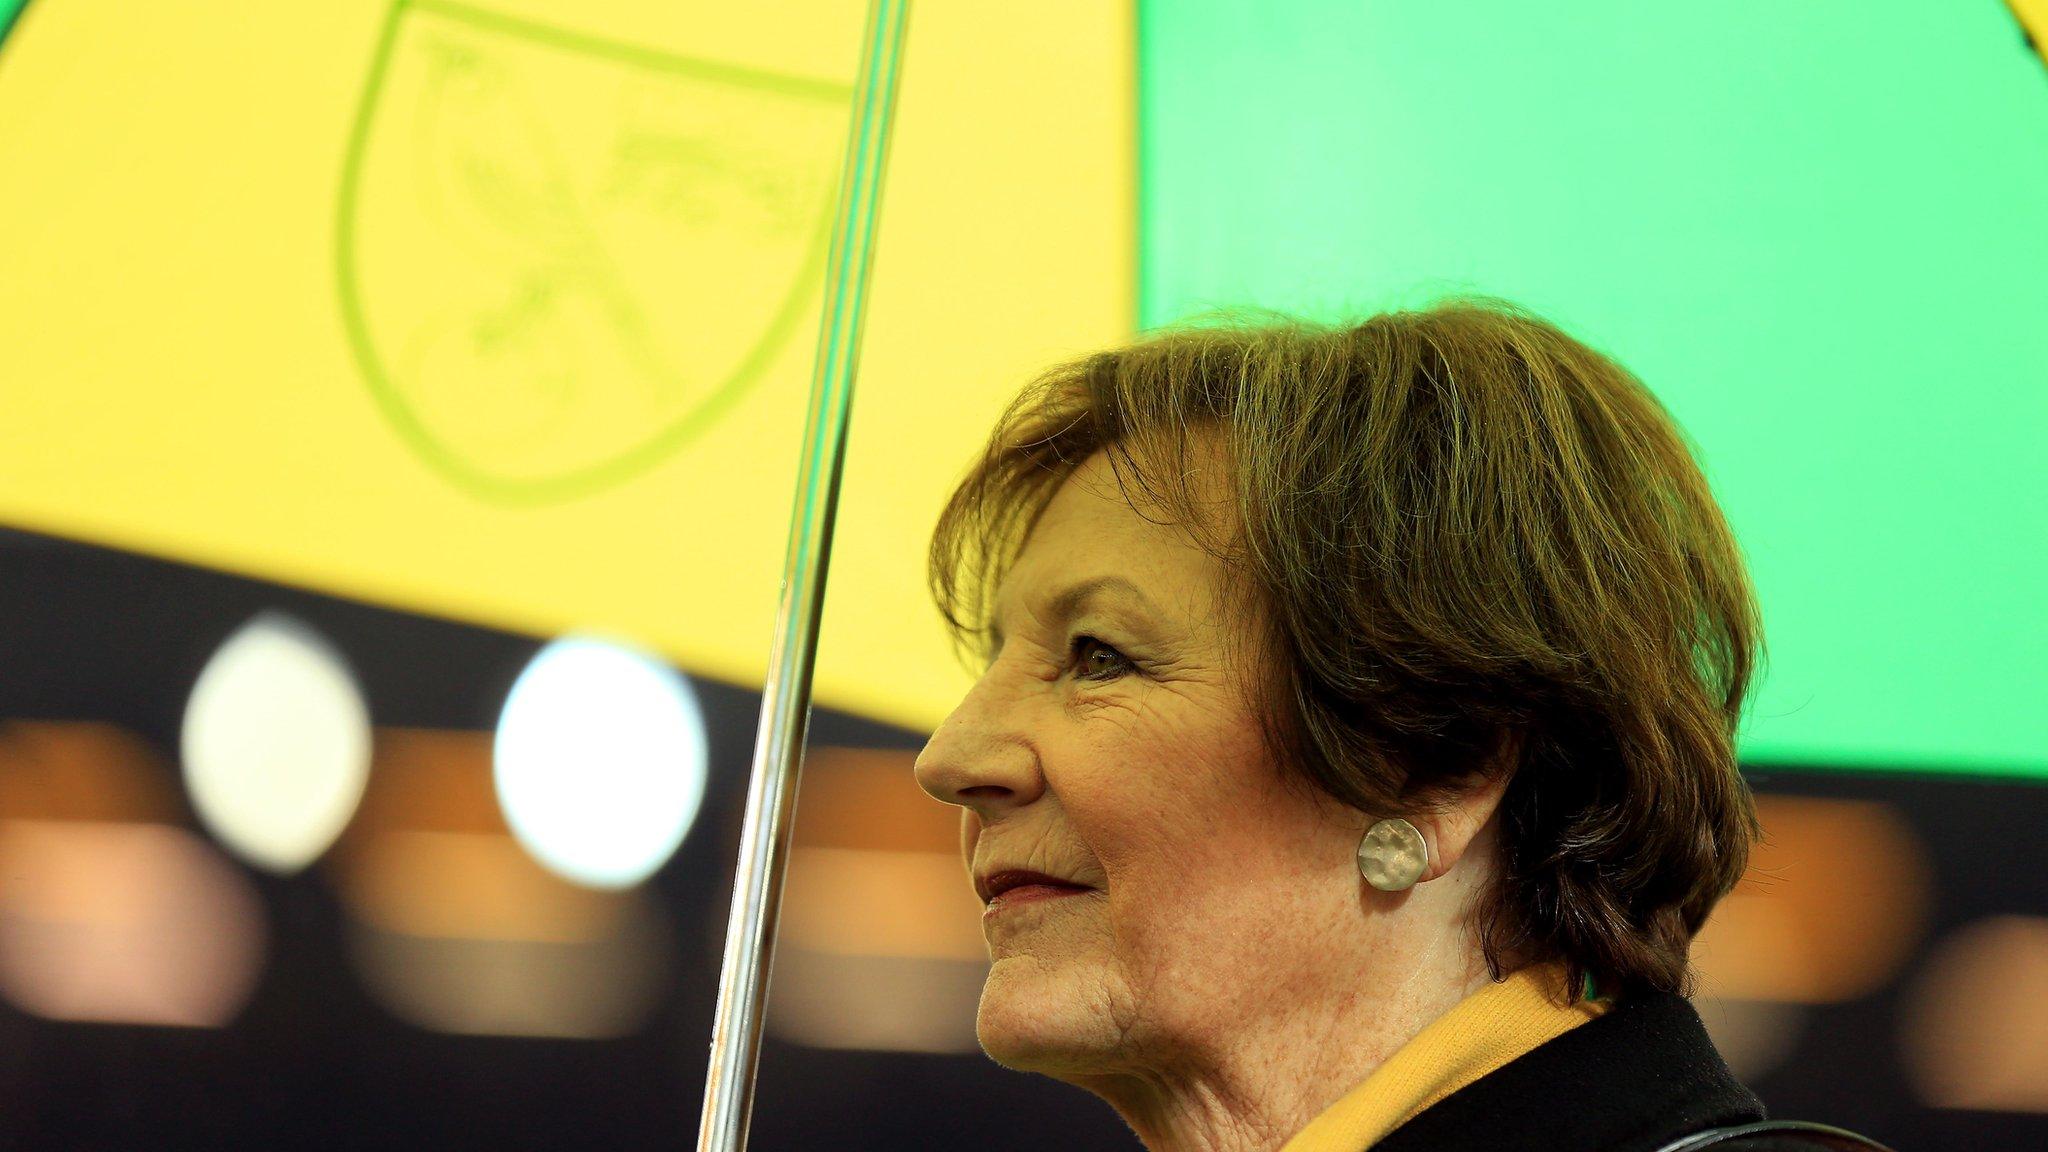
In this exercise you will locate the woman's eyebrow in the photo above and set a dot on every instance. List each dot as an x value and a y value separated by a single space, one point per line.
1068 603
1070 600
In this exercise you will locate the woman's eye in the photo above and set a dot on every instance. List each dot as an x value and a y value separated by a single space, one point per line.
1094 660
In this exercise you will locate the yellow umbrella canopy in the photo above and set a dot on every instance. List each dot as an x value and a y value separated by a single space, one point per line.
505 312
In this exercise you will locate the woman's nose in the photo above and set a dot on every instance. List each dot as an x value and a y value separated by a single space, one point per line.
980 757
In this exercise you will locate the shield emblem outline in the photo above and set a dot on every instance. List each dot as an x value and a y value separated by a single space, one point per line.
698 417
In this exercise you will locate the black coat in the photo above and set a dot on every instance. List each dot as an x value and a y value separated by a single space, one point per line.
1635 1079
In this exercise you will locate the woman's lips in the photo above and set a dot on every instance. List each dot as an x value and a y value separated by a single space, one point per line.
1013 888
1031 894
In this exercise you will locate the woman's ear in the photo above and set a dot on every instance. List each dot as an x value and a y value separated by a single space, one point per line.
1451 831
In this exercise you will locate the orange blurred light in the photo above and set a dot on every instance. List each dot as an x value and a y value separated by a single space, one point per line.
455 928
505 987
861 903
866 798
1976 1021
429 778
876 1003
876 867
880 943
131 923
478 885
83 770
1834 900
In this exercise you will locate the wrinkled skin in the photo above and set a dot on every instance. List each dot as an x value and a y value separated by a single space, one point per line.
1227 974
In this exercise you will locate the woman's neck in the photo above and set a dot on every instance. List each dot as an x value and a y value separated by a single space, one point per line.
1262 1078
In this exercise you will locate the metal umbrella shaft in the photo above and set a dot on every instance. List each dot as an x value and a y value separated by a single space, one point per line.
785 700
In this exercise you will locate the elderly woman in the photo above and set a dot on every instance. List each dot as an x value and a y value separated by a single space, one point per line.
1354 758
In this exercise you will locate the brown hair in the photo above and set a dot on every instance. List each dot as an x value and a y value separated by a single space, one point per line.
1478 545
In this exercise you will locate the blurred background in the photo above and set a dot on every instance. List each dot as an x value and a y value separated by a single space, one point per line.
399 407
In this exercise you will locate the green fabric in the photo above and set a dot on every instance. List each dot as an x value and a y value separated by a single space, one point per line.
1818 231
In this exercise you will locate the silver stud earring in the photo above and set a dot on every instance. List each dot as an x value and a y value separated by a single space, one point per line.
1392 856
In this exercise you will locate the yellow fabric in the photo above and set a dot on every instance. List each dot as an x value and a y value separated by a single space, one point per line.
1485 1031
504 310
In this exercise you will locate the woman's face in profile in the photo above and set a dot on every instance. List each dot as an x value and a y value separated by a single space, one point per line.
1112 746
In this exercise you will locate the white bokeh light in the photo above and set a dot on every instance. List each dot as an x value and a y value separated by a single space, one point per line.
276 743
599 761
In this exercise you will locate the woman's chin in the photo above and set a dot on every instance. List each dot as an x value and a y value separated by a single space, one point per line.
1033 1020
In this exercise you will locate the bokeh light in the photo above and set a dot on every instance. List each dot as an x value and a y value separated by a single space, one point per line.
1834 901
124 923
463 932
880 945
1976 1019
454 927
108 912
865 902
276 743
600 761
874 1003
83 770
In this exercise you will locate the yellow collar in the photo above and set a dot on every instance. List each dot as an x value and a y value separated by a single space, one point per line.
1484 1031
